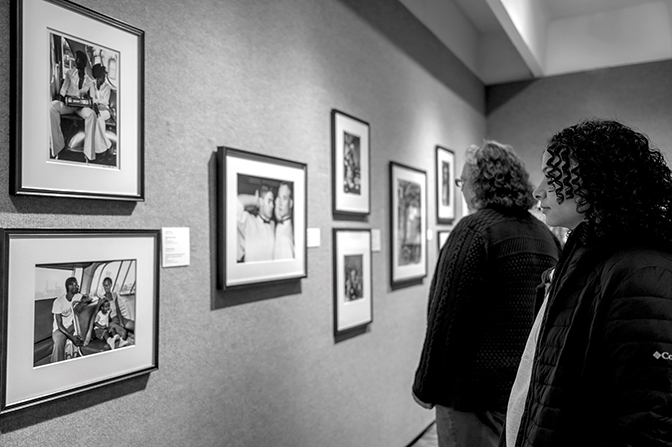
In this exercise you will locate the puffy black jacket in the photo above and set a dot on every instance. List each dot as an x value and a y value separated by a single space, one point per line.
602 374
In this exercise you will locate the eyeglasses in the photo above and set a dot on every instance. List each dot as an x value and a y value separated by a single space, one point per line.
459 182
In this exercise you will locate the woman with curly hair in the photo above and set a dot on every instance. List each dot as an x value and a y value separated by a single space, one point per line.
597 367
482 300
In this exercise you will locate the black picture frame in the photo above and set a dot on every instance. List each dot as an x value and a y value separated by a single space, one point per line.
70 140
37 264
408 224
442 238
445 185
351 161
353 288
243 175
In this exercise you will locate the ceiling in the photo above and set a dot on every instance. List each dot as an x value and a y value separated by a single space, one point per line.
511 40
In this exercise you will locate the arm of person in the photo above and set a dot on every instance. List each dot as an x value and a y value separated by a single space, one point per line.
59 323
65 86
248 200
82 301
102 97
93 322
637 360
452 306
244 201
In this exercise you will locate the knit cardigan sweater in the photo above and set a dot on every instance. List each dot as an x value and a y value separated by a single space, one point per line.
481 308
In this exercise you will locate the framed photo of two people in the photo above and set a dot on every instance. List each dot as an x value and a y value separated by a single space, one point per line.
262 218
78 102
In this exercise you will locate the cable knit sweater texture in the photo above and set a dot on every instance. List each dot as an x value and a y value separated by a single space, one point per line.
481 308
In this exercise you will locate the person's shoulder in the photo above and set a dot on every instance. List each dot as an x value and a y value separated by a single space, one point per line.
486 218
634 256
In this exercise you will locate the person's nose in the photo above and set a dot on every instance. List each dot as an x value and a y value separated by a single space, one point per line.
540 192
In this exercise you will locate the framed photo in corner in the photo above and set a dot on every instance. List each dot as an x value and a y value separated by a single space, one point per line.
442 237
350 164
408 207
78 104
80 309
262 215
353 301
445 185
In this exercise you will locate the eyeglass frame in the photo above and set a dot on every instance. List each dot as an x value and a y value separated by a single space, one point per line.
459 182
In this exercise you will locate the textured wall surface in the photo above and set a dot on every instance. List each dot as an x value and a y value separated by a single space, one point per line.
527 114
256 368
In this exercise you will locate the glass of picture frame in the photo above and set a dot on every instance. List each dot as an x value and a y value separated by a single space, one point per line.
353 301
350 164
58 281
70 138
441 238
445 185
408 232
262 214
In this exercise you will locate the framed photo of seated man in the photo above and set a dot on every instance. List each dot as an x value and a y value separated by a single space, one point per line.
78 108
81 311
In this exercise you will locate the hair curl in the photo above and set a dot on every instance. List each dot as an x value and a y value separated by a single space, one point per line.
498 177
619 181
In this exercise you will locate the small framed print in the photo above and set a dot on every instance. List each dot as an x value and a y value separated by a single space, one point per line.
445 185
78 107
263 218
442 237
79 310
408 194
353 303
350 164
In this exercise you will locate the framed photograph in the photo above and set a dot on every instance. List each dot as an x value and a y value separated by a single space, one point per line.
442 237
353 304
262 218
79 310
78 103
445 185
350 164
408 194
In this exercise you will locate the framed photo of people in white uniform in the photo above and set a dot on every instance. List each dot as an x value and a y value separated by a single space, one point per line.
350 164
78 107
262 218
79 310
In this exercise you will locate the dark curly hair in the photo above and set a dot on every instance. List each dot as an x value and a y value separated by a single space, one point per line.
498 177
619 181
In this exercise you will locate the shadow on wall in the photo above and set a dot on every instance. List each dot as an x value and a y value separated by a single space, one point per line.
76 403
403 29
67 206
497 97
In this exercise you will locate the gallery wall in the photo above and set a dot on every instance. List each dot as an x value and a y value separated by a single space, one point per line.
526 114
261 366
